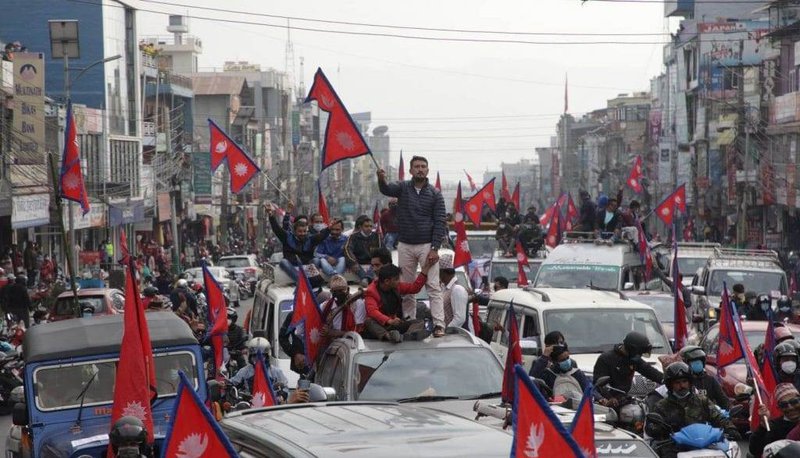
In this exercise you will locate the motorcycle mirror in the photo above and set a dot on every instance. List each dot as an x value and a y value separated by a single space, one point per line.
742 389
543 387
602 381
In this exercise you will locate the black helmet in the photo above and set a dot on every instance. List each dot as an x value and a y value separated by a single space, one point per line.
676 371
232 315
128 431
764 299
782 350
692 353
783 448
784 303
637 344
150 291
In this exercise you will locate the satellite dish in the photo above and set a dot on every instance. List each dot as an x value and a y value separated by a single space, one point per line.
380 130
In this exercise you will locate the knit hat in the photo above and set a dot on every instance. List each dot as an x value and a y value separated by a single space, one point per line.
446 261
786 390
337 282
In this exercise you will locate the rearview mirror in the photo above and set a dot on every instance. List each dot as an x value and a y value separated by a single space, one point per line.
529 347
700 290
628 286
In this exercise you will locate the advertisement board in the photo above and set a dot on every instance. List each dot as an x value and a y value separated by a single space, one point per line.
29 114
30 211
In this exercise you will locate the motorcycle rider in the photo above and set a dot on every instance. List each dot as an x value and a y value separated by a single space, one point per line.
705 385
785 314
556 368
182 295
128 438
621 362
244 377
760 311
785 358
237 338
788 400
18 302
683 407
233 291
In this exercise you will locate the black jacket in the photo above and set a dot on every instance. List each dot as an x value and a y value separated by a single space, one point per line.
709 387
291 344
296 251
779 429
588 214
421 216
16 297
237 338
621 369
191 299
611 226
358 247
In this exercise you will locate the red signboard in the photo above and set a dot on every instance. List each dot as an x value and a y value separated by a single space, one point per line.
89 257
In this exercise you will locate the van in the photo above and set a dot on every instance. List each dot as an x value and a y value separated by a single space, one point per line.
592 322
581 261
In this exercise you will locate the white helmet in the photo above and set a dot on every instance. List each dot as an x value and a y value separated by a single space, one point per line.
258 343
182 283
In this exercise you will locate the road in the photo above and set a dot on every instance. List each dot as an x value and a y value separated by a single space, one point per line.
5 420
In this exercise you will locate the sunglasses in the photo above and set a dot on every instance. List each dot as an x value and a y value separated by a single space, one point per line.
789 403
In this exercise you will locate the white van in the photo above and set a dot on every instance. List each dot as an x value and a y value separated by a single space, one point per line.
589 263
591 321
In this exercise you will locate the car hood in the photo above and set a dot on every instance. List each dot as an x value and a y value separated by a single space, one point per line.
92 441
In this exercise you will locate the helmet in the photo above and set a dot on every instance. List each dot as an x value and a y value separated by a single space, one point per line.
784 303
232 315
182 283
676 371
150 291
783 448
783 334
691 353
637 344
128 431
257 344
764 299
783 350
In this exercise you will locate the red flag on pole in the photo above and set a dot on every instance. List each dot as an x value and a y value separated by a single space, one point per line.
343 140
220 143
522 266
547 216
537 430
513 356
681 332
135 384
307 313
438 184
554 230
504 191
475 203
242 169
515 196
635 177
461 254
401 169
71 183
322 206
729 350
193 431
768 374
472 186
582 428
673 202
217 317
263 393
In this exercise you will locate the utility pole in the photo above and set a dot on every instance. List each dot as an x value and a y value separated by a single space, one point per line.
741 232
223 208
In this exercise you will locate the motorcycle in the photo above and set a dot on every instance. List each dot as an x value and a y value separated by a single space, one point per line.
11 368
695 440
630 410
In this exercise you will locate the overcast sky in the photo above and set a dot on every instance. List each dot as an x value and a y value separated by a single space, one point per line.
422 89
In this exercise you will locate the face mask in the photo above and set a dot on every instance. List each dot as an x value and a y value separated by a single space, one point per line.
340 297
681 394
128 452
789 367
565 365
786 309
319 226
697 366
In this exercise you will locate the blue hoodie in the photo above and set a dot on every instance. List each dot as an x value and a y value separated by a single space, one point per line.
331 247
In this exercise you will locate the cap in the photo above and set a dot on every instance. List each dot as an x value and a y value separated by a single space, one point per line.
446 261
786 390
337 282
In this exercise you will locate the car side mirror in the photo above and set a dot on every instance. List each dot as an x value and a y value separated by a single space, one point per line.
529 347
628 286
699 290
19 415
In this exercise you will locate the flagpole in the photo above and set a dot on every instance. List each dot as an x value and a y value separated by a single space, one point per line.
65 237
266 175
371 156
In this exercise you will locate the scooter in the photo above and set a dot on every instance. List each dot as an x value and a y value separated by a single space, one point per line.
695 440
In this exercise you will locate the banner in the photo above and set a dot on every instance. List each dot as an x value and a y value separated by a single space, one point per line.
95 218
29 111
164 207
30 211
126 214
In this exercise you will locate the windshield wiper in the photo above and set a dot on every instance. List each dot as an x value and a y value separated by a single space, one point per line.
82 396
495 394
600 288
426 398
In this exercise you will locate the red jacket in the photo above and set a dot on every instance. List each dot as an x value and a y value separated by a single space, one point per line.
372 297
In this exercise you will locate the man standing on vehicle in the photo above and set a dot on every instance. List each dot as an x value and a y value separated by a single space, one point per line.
588 212
621 362
455 296
422 227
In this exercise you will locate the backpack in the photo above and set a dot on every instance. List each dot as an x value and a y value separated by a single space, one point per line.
566 385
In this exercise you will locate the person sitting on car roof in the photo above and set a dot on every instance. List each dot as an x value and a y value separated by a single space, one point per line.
342 313
455 296
330 252
557 369
621 362
788 400
358 248
298 248
385 307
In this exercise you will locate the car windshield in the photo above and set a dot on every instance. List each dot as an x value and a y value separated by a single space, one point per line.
96 303
756 281
663 305
60 387
689 266
509 270
234 263
578 276
481 246
594 330
401 374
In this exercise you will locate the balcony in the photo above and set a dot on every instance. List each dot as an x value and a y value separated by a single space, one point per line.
783 17
785 108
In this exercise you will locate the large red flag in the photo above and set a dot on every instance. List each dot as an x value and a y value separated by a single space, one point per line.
635 177
462 254
582 428
547 216
438 184
769 377
487 195
681 332
522 266
572 211
537 430
343 140
217 317
504 190
193 432
401 169
475 203
242 169
680 198
515 196
307 313
220 143
134 387
472 185
673 202
322 206
72 185
729 350
513 355
263 393
554 231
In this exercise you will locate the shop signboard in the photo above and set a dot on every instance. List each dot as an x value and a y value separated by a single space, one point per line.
30 211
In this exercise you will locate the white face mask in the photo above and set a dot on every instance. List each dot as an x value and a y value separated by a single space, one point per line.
319 226
789 367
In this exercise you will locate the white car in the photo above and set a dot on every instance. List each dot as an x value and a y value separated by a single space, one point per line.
220 274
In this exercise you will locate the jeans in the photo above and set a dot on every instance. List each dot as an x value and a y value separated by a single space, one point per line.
289 268
410 257
328 269
390 240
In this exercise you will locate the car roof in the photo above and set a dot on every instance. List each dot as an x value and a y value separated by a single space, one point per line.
88 292
454 338
762 326
582 252
367 429
565 298
234 256
99 335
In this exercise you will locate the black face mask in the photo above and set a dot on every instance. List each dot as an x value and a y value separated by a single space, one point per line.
128 452
340 297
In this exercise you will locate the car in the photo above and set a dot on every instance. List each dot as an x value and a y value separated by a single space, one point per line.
691 257
592 322
456 366
360 429
220 274
93 301
70 369
664 305
507 266
755 332
244 265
